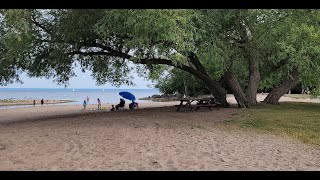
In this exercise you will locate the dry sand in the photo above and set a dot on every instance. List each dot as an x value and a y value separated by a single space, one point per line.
65 138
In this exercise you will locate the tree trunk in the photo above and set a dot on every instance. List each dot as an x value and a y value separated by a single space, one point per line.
216 90
214 87
185 88
277 92
254 77
236 89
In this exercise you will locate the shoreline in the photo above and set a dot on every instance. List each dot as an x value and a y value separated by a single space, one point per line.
53 102
30 112
10 102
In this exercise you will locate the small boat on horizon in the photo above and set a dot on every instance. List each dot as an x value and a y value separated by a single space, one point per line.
73 90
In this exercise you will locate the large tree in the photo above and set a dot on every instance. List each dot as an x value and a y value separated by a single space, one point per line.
293 56
50 42
244 47
283 43
242 31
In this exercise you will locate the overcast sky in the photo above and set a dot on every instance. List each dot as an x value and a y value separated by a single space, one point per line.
83 80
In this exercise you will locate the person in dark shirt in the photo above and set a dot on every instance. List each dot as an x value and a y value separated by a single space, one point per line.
121 104
41 102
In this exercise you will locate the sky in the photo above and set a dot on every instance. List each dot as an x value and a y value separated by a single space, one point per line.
83 80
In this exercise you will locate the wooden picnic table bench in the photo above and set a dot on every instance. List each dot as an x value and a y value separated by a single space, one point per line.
201 102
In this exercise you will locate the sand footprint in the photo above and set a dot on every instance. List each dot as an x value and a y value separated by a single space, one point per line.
2 147
171 165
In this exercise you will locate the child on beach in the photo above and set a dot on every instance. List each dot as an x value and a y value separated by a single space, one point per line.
84 104
113 109
99 104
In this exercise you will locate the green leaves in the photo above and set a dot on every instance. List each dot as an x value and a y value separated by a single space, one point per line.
177 81
150 32
48 43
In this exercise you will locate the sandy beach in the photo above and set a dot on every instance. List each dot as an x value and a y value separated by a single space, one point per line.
154 137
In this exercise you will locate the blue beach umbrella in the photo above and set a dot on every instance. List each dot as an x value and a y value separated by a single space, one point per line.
127 95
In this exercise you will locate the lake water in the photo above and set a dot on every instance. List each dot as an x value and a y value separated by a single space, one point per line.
78 95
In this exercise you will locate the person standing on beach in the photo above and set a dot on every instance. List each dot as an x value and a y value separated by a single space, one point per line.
34 102
99 104
88 99
41 102
84 104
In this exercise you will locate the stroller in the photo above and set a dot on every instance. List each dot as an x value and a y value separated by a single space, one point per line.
133 105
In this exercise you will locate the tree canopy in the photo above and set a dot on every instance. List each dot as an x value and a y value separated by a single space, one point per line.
245 49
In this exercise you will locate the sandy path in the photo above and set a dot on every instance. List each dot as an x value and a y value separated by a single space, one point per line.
146 139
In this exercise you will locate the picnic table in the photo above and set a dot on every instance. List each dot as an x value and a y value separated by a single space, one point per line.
209 103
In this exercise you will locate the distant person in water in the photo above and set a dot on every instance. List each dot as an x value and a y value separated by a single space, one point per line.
99 104
84 104
34 102
41 102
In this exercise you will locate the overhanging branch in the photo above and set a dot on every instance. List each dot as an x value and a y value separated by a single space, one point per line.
195 61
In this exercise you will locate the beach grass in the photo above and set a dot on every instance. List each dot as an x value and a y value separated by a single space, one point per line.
296 120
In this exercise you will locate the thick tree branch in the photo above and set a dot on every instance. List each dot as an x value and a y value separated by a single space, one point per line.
195 61
99 53
287 84
199 72
141 61
107 48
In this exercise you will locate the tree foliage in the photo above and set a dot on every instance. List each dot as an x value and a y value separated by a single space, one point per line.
180 82
260 47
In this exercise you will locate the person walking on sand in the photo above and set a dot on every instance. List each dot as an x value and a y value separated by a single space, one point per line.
84 104
99 104
41 102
